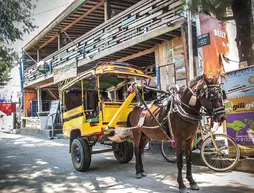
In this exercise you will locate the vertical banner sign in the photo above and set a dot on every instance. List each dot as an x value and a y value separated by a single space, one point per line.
214 41
239 87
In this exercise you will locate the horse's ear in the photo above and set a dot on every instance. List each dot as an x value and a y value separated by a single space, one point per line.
222 73
200 84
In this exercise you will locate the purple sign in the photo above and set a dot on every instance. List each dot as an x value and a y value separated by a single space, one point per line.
241 127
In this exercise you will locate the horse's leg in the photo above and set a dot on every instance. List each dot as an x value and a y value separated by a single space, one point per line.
143 141
188 155
179 154
137 139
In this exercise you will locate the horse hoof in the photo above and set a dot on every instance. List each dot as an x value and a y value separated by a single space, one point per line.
183 190
139 175
143 174
194 187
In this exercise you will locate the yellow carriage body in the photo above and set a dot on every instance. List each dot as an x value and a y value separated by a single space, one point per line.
108 77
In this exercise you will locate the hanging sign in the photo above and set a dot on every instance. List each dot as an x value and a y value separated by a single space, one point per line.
203 40
43 67
65 71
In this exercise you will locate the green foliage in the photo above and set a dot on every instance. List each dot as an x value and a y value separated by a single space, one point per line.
216 7
15 21
7 56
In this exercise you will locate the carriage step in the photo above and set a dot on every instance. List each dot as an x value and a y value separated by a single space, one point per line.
102 151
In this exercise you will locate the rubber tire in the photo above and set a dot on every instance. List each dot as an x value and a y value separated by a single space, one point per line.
221 169
172 159
128 152
85 154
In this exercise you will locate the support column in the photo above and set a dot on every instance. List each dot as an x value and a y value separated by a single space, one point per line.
60 40
185 49
190 45
107 10
39 100
38 55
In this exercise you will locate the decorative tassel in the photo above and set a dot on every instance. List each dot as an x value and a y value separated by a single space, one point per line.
193 100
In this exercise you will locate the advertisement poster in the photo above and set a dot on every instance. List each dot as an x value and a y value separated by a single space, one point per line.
240 104
240 126
239 87
239 83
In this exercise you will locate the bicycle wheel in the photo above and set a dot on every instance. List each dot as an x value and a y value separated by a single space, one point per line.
168 151
225 158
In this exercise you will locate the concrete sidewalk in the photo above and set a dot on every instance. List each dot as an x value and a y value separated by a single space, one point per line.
244 165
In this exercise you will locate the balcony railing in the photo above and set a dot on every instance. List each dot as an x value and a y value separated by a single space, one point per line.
141 18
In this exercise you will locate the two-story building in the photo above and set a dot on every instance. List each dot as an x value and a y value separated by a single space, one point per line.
148 33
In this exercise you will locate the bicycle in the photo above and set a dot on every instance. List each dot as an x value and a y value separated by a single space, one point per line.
219 152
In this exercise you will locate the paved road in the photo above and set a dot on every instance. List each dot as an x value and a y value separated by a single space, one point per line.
29 164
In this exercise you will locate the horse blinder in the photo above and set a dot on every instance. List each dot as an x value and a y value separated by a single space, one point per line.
224 95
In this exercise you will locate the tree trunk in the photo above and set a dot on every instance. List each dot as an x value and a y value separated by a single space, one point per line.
244 26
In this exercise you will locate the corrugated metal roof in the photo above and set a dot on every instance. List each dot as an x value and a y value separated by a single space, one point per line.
77 19
71 8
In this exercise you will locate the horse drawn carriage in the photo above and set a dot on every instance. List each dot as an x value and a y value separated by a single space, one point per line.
94 101
106 104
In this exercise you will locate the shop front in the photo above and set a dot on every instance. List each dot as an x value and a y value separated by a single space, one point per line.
239 87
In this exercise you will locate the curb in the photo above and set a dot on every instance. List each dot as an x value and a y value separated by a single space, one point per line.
39 133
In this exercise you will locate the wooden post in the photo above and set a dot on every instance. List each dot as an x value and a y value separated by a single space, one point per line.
157 62
60 40
107 10
82 91
38 55
183 35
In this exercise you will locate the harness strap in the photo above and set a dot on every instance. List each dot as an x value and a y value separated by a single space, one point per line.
148 109
143 115
181 112
168 117
219 110
186 116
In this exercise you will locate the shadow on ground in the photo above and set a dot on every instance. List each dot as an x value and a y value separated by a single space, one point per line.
36 165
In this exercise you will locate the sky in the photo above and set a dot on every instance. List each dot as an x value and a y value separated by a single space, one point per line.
43 14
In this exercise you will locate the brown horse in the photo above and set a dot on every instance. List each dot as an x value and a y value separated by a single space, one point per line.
183 121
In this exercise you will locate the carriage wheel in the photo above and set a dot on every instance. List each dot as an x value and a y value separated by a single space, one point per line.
225 158
123 152
80 154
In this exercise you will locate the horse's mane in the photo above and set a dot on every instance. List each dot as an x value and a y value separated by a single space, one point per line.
195 80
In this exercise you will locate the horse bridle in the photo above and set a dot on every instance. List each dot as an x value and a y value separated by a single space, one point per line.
212 92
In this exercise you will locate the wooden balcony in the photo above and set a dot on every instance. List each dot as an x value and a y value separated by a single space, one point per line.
140 27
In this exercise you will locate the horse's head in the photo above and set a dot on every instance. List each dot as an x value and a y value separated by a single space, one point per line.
211 97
